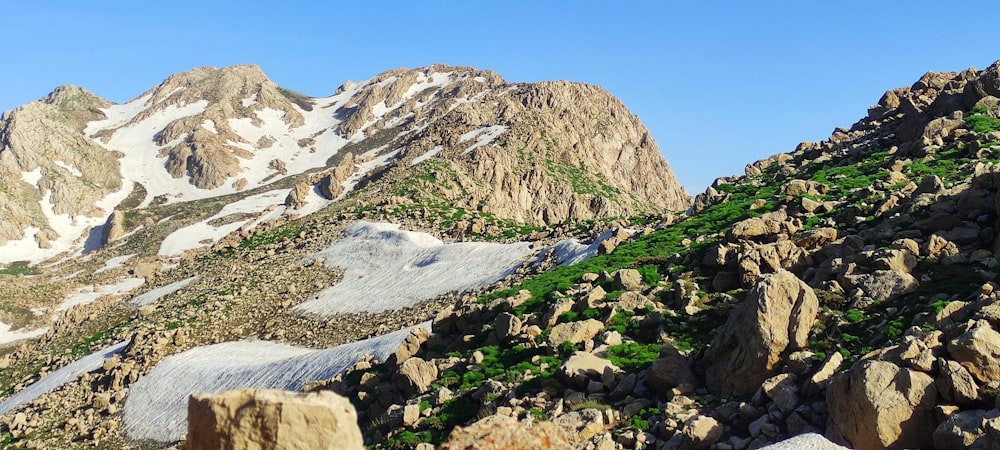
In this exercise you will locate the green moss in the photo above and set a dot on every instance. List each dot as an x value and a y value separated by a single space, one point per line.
633 356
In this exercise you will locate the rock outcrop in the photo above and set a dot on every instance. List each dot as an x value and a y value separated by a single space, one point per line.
272 419
774 321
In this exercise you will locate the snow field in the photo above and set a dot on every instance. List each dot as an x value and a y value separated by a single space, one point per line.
386 268
155 409
160 292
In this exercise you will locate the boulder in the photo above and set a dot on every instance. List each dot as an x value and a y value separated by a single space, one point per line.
978 350
280 420
411 344
574 332
507 326
774 321
960 431
885 285
878 405
671 370
415 376
955 384
627 280
502 432
698 432
582 367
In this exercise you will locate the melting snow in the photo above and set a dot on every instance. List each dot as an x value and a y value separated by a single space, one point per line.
387 268
429 154
160 292
83 296
482 135
7 335
32 177
60 377
73 170
114 263
201 234
571 251
156 406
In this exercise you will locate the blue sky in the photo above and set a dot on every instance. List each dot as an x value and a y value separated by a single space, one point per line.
719 84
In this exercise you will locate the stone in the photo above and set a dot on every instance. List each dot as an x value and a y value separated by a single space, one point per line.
955 384
280 420
700 432
627 280
774 321
503 433
671 370
415 376
574 332
506 326
582 367
878 405
581 425
886 285
411 414
411 344
978 350
782 391
960 431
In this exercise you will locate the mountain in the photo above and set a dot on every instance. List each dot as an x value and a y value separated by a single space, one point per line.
533 153
477 256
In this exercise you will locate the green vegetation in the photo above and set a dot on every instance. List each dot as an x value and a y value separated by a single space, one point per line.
633 356
981 123
18 268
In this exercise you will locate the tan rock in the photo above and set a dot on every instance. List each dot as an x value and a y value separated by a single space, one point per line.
574 332
627 280
878 405
582 367
700 432
955 384
415 376
671 370
978 350
506 433
960 431
114 228
272 419
774 321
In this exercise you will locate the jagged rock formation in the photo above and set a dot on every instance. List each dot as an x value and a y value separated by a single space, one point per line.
532 153
49 167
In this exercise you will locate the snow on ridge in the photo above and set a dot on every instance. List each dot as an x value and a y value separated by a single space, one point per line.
72 170
160 292
155 409
482 135
391 268
427 155
60 377
32 177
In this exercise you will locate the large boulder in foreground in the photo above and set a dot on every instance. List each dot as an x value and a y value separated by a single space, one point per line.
278 420
879 405
774 321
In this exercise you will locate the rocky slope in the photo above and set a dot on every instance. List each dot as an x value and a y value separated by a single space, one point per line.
845 289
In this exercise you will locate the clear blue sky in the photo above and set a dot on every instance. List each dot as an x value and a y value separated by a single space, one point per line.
719 84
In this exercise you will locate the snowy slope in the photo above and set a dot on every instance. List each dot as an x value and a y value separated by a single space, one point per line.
156 407
387 268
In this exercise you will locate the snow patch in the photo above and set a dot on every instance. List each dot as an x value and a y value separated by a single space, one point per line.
387 268
209 125
85 295
156 406
202 234
32 177
7 335
427 155
482 135
72 170
572 251
160 292
115 263
60 377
